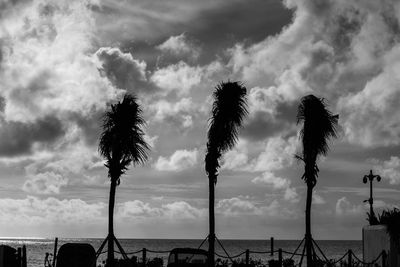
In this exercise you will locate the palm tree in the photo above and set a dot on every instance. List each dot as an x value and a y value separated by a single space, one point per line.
319 125
121 143
228 111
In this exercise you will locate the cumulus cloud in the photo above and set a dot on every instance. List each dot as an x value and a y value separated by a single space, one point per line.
269 178
179 78
180 46
347 52
238 206
291 195
47 65
122 69
317 199
178 114
276 153
178 161
278 183
137 208
242 206
345 207
45 183
236 158
48 172
34 211
140 210
48 211
184 210
389 169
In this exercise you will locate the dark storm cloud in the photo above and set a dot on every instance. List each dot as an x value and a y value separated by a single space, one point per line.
123 70
2 103
90 125
17 138
262 125
217 25
240 21
6 5
37 87
143 50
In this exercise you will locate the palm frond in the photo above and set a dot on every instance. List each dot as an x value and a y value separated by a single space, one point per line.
122 140
228 111
319 126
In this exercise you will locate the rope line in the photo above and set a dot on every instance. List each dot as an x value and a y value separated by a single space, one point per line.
291 253
229 257
238 255
372 262
205 239
320 250
340 259
261 252
158 251
226 252
295 251
130 253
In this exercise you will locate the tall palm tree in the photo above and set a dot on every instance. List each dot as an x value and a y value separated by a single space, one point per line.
227 114
319 125
121 143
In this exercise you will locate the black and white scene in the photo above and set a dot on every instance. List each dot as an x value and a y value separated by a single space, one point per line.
200 133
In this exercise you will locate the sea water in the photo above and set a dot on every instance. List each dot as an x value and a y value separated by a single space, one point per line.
37 248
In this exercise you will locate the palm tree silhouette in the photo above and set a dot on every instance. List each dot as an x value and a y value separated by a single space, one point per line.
121 143
228 110
319 125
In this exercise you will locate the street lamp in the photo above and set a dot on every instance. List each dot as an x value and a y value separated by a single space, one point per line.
370 177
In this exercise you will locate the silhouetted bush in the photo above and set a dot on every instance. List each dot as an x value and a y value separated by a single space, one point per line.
391 218
285 263
239 263
372 219
155 262
288 263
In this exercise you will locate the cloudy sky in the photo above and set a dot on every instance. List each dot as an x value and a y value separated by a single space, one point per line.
63 62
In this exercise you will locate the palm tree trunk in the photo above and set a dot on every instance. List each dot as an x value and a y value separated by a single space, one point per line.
308 236
111 203
211 236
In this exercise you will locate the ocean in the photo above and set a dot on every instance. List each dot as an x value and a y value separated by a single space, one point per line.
37 248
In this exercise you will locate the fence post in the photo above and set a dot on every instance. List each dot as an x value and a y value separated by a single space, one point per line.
384 257
247 256
280 257
144 257
55 252
272 246
24 264
19 255
349 259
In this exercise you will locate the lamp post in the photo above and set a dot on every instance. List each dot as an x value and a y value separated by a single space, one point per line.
370 177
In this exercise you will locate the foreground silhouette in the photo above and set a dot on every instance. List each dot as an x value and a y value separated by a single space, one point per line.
319 125
228 110
121 143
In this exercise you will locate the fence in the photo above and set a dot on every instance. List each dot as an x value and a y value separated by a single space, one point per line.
349 259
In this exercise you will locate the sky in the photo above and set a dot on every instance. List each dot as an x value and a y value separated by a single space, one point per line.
62 63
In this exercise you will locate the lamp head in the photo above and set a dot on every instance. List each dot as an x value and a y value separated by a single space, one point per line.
365 179
378 178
